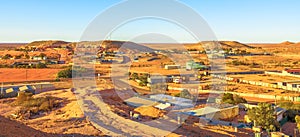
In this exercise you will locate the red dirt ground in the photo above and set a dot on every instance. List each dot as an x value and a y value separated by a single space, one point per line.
18 75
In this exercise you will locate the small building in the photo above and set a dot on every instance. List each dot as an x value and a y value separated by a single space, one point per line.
279 113
178 102
61 62
290 85
171 78
139 101
177 80
12 91
163 106
291 71
156 79
38 58
196 65
181 77
169 67
216 113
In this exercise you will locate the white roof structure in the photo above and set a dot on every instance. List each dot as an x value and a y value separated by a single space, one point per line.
9 90
137 102
163 97
204 111
163 106
23 88
177 101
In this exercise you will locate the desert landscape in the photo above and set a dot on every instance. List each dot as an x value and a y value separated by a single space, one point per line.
253 72
140 68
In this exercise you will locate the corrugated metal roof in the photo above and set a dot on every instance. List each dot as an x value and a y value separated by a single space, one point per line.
137 102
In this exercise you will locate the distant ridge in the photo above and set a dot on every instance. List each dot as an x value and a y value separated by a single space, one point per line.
234 44
287 43
47 44
115 44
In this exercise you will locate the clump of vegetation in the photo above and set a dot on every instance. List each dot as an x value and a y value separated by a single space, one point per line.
70 71
39 65
292 109
7 56
232 99
67 73
237 63
142 80
4 66
244 63
263 116
185 94
31 106
19 56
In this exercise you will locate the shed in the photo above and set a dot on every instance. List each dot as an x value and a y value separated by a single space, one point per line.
168 67
163 106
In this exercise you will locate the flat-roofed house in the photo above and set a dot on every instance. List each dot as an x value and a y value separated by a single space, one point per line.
291 71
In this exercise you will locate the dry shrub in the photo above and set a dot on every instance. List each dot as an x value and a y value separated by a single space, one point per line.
34 106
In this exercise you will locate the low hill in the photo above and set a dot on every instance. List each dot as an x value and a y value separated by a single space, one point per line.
287 43
123 46
218 44
234 44
47 44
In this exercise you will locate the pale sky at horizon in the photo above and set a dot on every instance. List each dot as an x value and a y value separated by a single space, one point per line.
248 21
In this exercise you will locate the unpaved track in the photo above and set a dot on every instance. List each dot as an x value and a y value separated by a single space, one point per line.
108 122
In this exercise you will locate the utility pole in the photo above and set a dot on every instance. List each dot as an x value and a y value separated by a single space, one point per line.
1 93
26 74
275 101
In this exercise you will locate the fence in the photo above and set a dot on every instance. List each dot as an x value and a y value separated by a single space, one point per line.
270 97
257 83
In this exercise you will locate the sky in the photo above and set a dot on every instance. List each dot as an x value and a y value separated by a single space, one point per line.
249 21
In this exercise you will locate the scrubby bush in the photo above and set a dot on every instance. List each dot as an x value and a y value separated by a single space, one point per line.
40 65
185 94
7 56
232 99
67 73
32 105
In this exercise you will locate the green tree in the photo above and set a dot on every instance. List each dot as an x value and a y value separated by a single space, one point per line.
19 56
41 65
135 76
26 55
185 94
263 115
67 73
232 99
7 56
